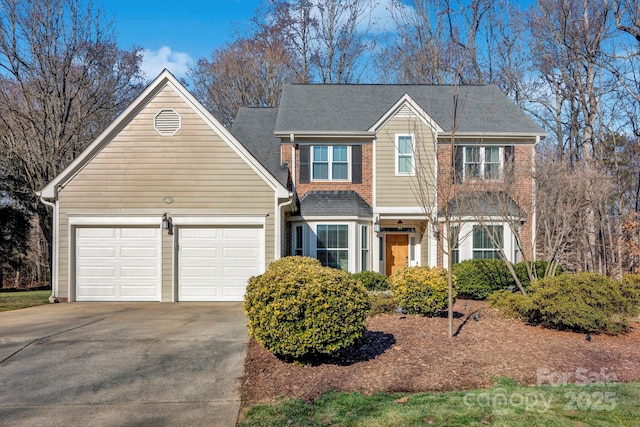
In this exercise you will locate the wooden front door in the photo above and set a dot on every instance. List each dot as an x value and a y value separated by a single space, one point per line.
397 252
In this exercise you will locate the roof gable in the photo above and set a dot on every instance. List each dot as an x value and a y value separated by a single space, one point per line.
164 79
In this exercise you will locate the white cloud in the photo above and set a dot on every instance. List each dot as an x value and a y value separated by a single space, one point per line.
154 61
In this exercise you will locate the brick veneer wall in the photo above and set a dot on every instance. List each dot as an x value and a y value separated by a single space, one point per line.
520 189
365 189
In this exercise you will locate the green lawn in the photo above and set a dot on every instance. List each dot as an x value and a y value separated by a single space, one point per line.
16 300
506 404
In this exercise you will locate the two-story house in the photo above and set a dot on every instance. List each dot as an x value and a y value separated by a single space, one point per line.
168 205
372 168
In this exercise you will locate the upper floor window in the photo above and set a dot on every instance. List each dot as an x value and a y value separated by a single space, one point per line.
330 163
404 155
482 163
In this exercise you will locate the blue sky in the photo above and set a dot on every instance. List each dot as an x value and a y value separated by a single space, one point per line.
175 33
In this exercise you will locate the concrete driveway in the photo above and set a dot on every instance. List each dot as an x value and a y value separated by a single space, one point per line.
122 364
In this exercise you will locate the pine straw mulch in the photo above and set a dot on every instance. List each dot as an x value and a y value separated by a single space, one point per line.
413 354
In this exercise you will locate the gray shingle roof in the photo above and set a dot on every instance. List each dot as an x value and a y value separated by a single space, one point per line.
253 127
483 109
334 203
486 203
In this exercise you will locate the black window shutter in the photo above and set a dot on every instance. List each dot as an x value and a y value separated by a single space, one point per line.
509 164
459 164
304 164
356 164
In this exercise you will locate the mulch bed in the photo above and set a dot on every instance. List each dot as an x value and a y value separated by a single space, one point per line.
413 354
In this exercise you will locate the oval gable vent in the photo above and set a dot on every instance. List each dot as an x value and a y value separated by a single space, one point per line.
167 122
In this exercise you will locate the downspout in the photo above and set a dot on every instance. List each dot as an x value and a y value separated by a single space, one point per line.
278 221
54 248
534 206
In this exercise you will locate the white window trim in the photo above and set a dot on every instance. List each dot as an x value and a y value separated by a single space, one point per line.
482 163
413 154
349 247
330 162
365 231
298 244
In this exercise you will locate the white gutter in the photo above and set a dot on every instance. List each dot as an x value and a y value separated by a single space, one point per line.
54 247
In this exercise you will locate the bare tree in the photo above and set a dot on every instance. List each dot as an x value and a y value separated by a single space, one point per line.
246 73
63 80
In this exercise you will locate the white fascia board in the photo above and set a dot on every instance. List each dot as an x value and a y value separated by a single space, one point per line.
293 135
400 210
49 191
497 135
115 220
298 218
417 110
477 219
220 220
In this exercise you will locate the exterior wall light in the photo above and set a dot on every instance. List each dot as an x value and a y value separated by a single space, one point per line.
167 224
399 224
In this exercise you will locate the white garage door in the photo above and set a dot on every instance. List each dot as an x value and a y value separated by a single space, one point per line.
214 263
118 264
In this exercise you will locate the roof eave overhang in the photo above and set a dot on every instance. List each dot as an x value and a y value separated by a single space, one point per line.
496 135
308 135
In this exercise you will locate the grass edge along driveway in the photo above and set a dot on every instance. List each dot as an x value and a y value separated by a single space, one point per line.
23 299
506 404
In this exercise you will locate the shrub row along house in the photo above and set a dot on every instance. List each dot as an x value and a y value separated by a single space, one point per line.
168 205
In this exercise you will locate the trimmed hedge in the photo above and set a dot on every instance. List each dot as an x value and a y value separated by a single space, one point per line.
373 281
420 290
299 309
582 302
479 278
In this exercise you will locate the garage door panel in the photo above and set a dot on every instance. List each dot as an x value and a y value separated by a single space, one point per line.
241 253
195 253
108 252
91 271
198 272
118 264
128 272
96 233
132 252
215 263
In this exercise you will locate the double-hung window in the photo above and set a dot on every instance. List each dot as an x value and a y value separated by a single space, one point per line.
482 163
404 155
487 241
364 247
330 163
298 241
333 245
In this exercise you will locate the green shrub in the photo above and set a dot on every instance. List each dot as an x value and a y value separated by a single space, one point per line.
300 310
420 290
582 302
511 304
540 267
630 285
478 278
382 303
373 281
